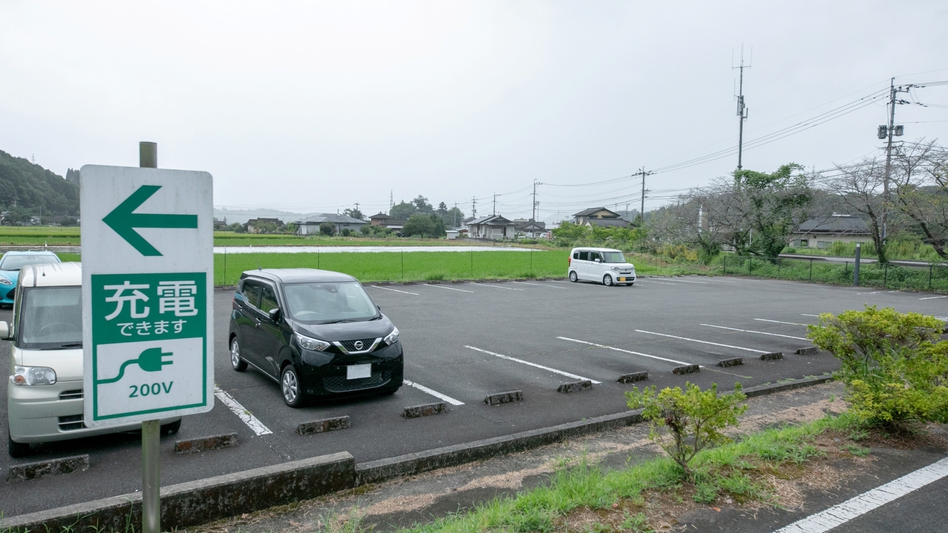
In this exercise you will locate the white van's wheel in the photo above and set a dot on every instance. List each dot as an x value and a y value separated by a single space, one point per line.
573 277
607 280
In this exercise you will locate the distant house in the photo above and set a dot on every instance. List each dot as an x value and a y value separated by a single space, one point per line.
493 227
601 217
385 221
310 226
531 228
821 232
254 225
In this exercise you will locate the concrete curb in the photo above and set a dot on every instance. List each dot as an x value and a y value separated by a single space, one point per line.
203 501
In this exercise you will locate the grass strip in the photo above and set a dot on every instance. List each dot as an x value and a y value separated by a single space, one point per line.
737 471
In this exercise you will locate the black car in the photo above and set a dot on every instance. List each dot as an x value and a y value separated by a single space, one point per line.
316 332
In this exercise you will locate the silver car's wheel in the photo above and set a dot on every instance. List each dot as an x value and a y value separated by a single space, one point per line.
573 277
290 384
607 280
235 361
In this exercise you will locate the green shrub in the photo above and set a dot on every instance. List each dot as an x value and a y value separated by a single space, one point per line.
685 422
893 365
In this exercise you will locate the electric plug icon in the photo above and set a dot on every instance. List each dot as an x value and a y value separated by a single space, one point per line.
151 360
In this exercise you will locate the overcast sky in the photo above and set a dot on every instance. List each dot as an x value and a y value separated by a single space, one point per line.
317 106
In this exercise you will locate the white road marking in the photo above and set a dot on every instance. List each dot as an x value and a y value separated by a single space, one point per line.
499 287
514 359
867 501
701 342
779 322
933 298
393 290
540 285
255 425
624 351
756 332
804 314
432 392
867 293
650 281
684 281
447 288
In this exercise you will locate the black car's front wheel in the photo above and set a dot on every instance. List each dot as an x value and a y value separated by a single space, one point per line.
290 385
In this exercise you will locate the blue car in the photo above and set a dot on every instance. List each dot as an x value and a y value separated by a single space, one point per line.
10 265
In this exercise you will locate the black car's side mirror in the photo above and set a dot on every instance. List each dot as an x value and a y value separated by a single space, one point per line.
274 314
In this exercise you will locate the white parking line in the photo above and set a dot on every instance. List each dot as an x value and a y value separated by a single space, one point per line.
514 359
499 287
650 281
255 425
434 393
867 501
756 332
701 342
804 314
448 288
393 290
933 298
624 351
540 285
779 322
684 281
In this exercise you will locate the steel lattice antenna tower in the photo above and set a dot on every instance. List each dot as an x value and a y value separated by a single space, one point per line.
741 108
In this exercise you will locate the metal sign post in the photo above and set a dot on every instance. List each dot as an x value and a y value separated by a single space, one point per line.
147 250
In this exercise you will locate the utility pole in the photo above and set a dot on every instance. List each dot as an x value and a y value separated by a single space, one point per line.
391 199
643 173
494 207
535 204
741 110
888 132
474 207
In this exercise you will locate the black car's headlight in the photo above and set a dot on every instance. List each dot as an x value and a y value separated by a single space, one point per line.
309 343
33 375
392 337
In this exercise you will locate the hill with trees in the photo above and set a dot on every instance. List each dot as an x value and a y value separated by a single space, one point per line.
27 189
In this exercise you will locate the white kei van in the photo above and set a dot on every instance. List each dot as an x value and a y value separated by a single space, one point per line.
44 396
602 265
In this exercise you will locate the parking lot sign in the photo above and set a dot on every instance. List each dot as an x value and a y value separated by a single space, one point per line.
147 286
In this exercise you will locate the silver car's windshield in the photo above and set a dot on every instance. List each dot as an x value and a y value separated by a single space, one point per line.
16 262
613 257
50 318
329 302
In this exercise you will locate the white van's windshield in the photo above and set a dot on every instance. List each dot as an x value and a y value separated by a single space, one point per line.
613 257
50 318
329 302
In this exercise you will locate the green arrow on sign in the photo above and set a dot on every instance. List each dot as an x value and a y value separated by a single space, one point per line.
122 220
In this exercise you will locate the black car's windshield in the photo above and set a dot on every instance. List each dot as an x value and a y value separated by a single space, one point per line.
50 318
329 302
16 262
613 257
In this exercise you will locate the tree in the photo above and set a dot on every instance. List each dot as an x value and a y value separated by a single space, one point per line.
694 222
327 228
685 422
402 210
860 187
354 213
419 224
769 207
920 179
451 217
421 205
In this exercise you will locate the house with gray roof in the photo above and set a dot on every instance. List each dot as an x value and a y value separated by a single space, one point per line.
310 226
822 232
494 227
600 217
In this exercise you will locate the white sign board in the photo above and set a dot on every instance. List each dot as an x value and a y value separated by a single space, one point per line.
147 289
